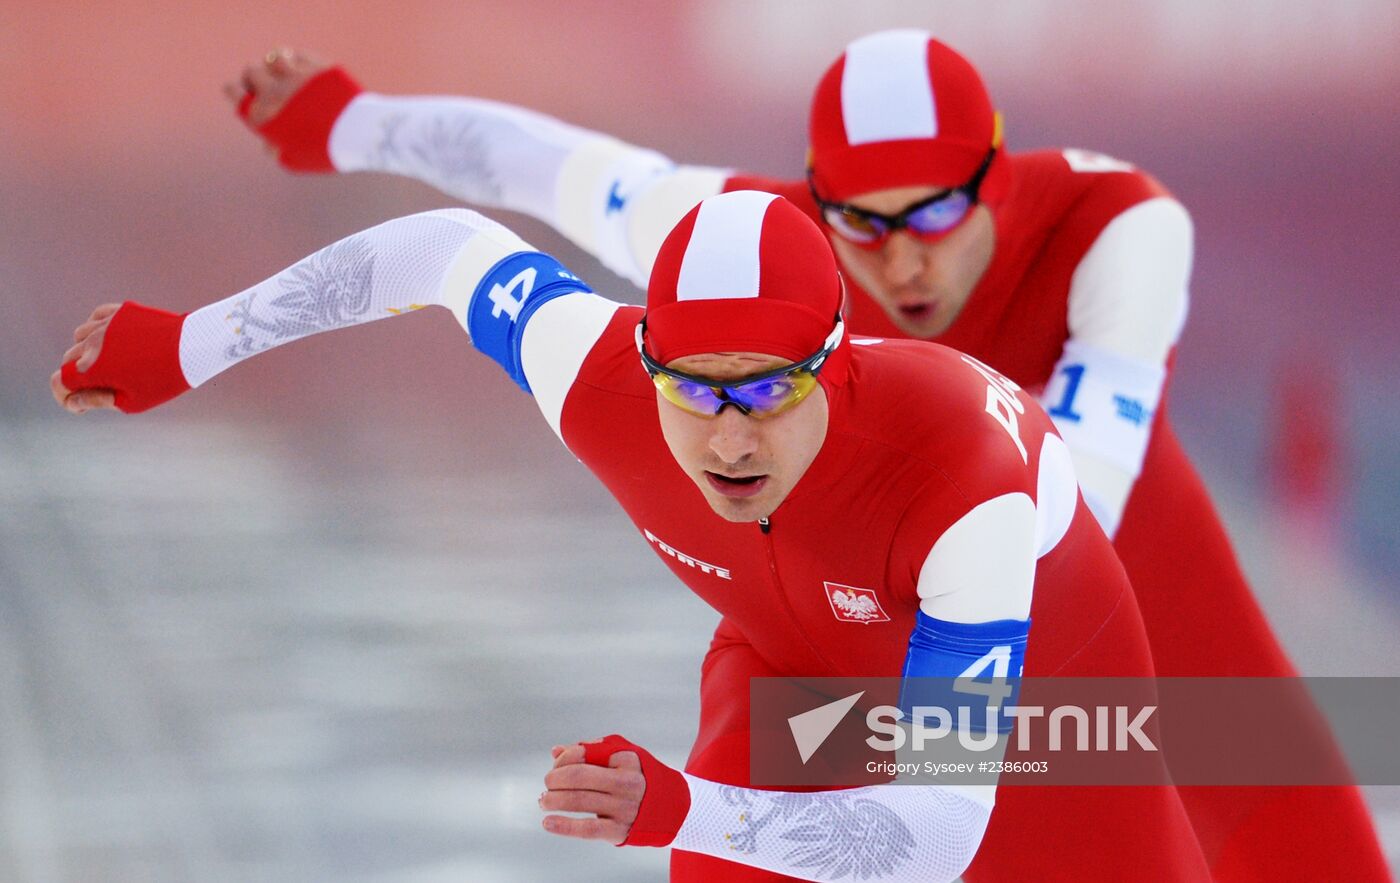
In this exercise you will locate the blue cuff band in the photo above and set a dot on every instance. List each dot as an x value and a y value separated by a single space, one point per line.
505 299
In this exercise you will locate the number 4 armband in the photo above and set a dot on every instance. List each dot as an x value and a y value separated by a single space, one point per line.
965 669
505 299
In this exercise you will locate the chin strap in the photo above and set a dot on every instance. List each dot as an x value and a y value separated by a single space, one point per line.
666 801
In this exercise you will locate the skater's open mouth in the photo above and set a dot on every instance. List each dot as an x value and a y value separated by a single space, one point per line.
736 485
917 312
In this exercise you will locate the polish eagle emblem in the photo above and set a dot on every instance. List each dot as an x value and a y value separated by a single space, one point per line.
852 604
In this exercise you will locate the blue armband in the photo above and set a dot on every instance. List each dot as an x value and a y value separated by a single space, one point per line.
966 669
505 299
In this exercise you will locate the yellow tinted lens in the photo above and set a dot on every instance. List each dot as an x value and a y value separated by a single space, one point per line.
774 395
688 395
853 226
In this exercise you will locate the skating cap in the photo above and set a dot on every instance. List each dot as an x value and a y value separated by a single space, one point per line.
745 272
901 109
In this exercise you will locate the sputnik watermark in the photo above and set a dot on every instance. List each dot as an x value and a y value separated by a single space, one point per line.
1104 724
1108 728
1074 731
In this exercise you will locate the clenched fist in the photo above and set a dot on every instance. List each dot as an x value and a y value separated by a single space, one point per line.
264 86
292 99
125 356
87 345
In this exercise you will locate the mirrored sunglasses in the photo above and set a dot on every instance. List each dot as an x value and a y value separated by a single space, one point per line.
929 219
761 395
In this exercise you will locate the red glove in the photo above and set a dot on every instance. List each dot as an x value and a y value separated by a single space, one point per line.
301 130
666 801
139 361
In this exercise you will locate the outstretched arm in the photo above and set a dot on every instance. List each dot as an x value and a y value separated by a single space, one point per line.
614 200
894 832
135 357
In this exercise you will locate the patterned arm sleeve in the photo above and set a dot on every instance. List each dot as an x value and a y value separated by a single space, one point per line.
490 279
394 268
614 200
879 832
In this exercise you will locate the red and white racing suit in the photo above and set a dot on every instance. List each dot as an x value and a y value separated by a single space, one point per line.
940 488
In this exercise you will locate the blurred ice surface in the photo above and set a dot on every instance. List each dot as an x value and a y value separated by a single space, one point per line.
214 668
